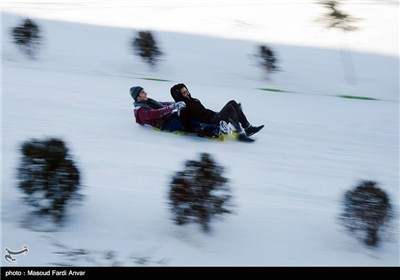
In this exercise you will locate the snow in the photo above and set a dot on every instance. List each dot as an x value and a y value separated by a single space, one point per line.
287 186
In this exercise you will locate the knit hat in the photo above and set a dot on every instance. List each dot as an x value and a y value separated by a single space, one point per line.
135 92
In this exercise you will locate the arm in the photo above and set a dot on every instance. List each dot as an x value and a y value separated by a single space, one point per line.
167 103
144 115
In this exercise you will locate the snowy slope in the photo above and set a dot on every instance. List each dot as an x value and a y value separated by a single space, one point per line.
287 185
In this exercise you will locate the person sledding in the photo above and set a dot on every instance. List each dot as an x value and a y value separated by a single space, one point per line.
231 113
166 116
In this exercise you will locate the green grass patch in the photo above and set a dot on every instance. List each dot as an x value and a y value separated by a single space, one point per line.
357 97
155 79
272 89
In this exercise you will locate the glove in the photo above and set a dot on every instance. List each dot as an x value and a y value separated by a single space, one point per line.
178 106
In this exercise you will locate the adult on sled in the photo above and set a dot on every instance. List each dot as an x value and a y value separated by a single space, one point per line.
231 112
162 115
165 115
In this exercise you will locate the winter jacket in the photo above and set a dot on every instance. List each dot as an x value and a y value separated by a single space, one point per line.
152 112
195 111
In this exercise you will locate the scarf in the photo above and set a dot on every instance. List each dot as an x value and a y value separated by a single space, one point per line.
149 104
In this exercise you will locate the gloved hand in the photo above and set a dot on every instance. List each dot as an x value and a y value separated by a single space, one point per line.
178 106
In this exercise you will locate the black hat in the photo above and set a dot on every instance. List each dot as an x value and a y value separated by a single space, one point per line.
135 92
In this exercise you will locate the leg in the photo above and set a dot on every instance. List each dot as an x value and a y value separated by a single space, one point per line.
249 129
230 114
172 123
234 111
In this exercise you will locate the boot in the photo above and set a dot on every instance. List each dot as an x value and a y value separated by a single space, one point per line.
244 138
251 130
241 132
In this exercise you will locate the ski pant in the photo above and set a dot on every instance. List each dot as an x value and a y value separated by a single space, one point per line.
232 112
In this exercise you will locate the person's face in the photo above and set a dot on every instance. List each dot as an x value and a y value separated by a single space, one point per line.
142 96
185 92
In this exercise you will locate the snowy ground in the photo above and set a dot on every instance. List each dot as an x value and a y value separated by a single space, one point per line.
287 186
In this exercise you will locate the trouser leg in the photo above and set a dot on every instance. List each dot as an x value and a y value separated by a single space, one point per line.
232 110
229 114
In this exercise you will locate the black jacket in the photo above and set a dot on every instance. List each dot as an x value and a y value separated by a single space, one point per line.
194 111
197 112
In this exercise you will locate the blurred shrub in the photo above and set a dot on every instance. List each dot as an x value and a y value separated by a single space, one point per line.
337 18
145 46
367 210
27 37
199 193
267 59
48 176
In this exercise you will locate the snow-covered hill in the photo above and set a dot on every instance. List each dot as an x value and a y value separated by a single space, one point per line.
287 186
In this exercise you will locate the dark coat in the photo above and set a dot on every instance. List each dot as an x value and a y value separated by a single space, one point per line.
194 111
197 112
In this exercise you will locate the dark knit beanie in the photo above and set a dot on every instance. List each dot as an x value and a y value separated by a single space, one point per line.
135 92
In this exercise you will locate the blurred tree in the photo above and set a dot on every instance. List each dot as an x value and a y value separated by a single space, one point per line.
146 47
337 19
199 193
367 210
48 176
267 58
27 37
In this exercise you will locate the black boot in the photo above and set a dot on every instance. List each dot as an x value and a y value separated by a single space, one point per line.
251 130
244 138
